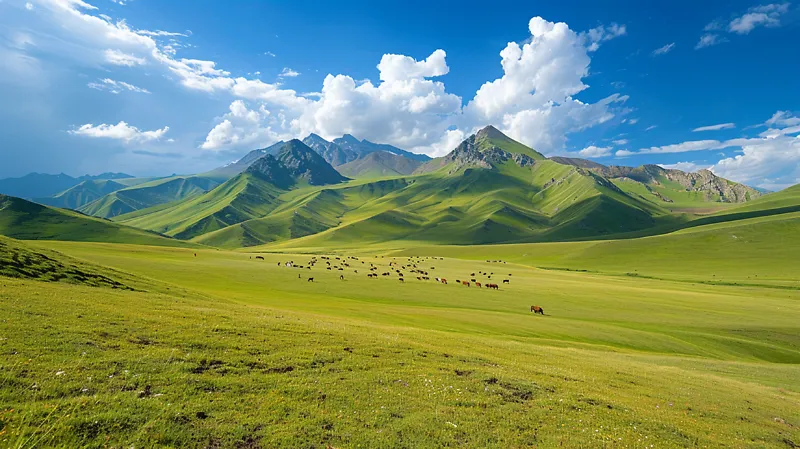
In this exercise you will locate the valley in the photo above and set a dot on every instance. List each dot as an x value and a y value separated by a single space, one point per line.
282 301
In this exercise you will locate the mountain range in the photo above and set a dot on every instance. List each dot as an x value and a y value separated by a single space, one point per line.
489 189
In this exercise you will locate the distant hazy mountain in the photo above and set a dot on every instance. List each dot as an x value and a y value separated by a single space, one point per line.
379 164
82 194
331 152
364 147
40 185
148 194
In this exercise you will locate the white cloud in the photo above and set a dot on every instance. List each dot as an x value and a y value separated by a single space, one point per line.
601 33
765 15
620 142
631 121
534 100
782 118
399 67
689 167
117 57
116 87
242 127
160 33
664 50
651 127
771 160
121 131
709 40
770 163
29 6
593 151
287 72
715 127
269 53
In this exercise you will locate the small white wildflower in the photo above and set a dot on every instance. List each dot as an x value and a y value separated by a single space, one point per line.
60 373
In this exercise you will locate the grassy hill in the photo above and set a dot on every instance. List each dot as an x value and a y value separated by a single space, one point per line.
24 220
21 261
148 194
82 194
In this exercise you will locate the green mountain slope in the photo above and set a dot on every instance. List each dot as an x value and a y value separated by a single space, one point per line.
82 194
379 164
25 220
489 189
148 194
250 195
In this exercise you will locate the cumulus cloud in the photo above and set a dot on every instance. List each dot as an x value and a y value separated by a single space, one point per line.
242 127
121 131
715 127
116 87
596 152
664 50
533 101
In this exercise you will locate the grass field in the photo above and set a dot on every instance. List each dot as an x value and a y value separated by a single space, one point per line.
223 350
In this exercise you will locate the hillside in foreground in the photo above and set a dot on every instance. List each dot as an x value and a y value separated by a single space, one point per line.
221 343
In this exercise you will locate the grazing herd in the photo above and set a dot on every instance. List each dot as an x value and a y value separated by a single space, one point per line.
419 267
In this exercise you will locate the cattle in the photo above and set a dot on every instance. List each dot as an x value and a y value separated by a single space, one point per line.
473 280
537 309
401 280
444 281
472 274
310 280
493 286
458 281
195 254
259 257
465 283
341 277
506 281
478 284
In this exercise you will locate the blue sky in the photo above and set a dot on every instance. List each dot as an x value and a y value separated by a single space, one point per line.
157 87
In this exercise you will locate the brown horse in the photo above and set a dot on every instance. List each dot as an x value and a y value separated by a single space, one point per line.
466 283
537 309
444 281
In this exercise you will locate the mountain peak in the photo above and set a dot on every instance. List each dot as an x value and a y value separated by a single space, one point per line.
313 137
348 138
490 132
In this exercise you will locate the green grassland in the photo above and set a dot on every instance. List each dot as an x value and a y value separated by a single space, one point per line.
755 251
223 350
